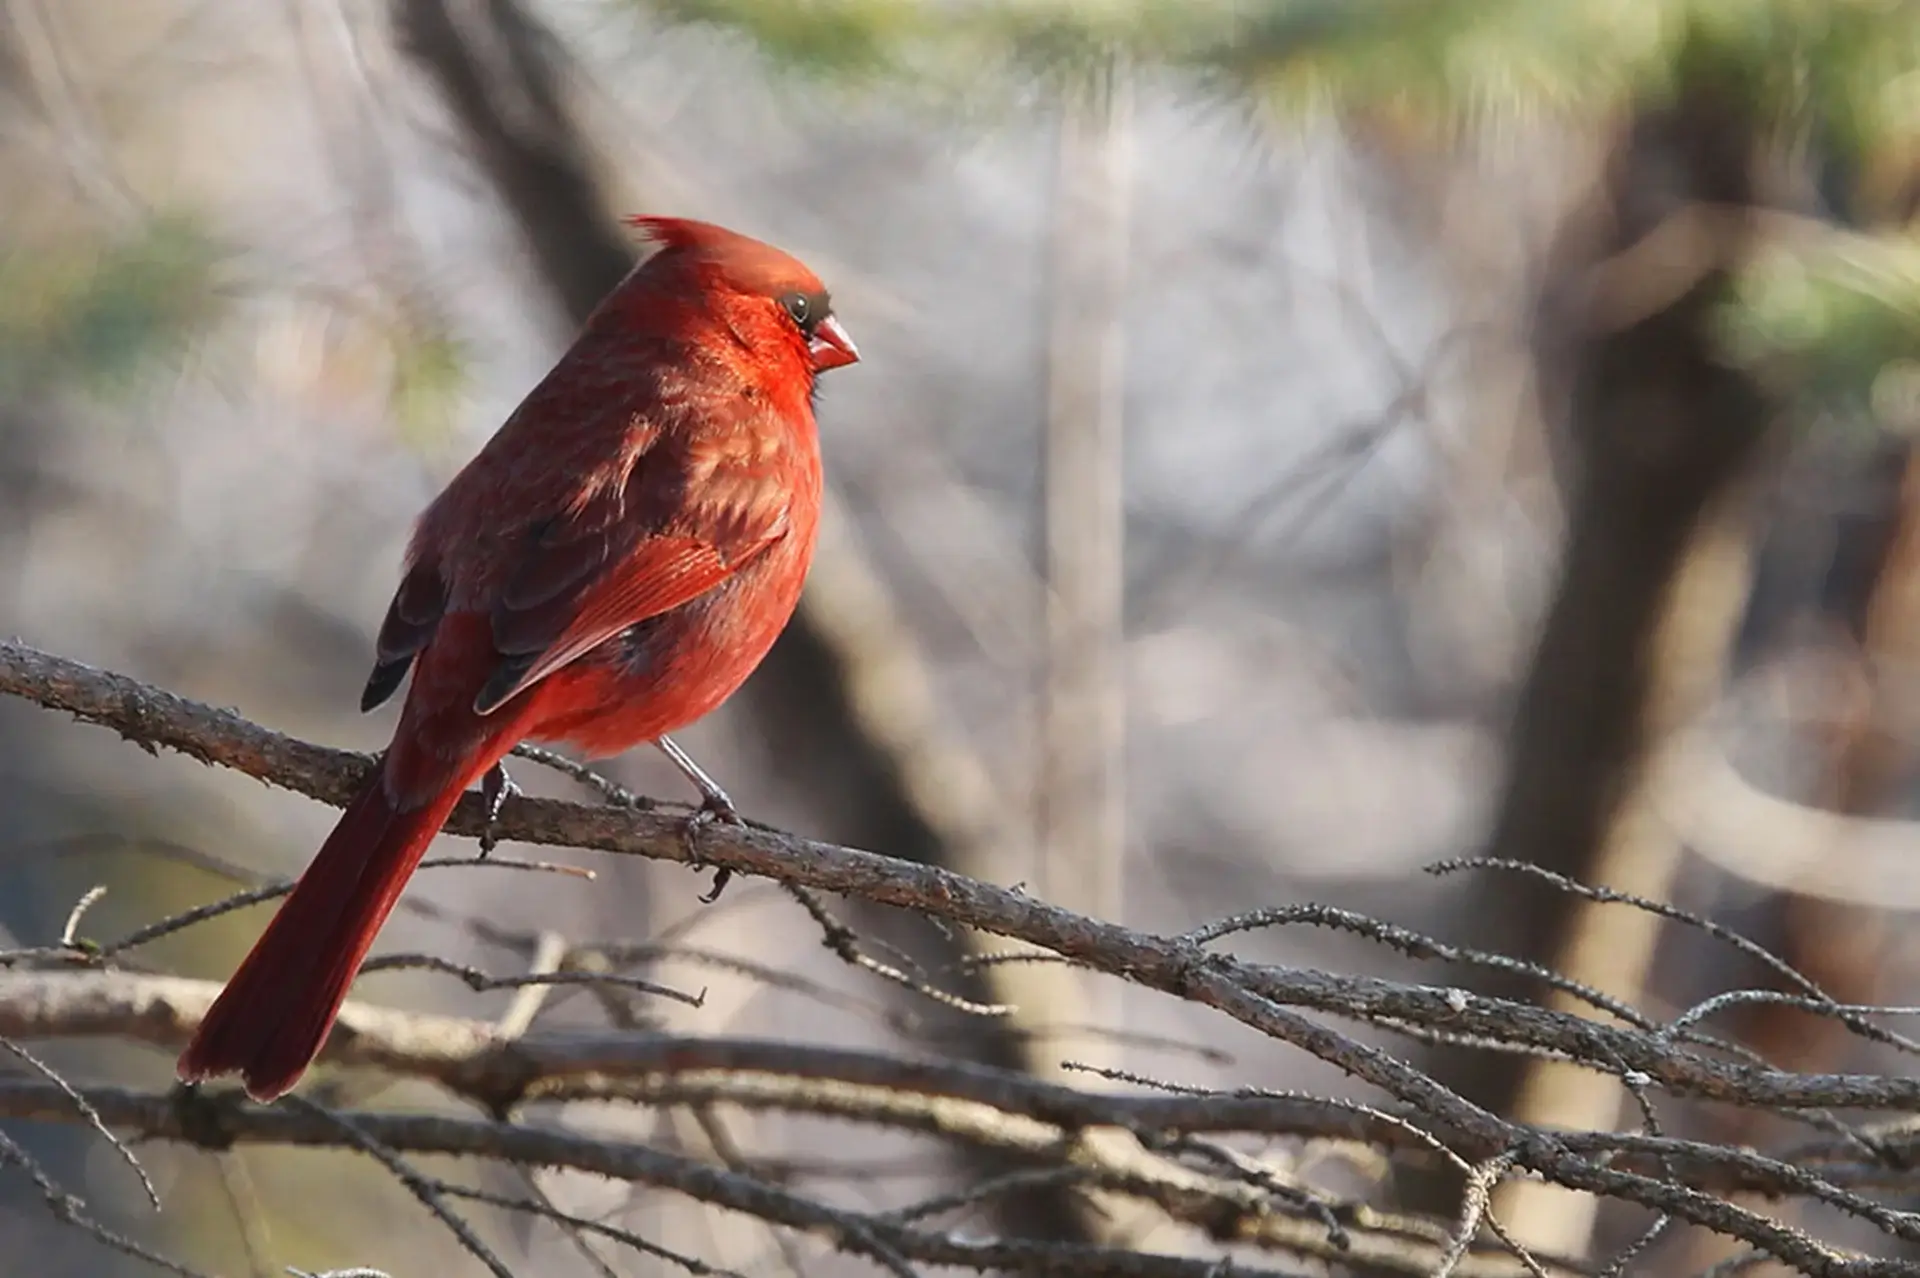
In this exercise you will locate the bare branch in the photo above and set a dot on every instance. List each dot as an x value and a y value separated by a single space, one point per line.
154 718
51 993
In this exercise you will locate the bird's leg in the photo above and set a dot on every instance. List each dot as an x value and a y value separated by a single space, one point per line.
714 806
495 788
714 803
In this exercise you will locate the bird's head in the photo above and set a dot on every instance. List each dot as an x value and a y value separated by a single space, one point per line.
765 296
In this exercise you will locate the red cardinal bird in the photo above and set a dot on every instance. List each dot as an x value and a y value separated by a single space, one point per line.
610 567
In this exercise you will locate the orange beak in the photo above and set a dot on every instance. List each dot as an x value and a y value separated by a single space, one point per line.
831 347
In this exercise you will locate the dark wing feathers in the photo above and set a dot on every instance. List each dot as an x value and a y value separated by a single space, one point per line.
560 556
411 619
630 551
670 520
659 574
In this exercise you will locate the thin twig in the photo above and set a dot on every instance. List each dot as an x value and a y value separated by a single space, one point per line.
840 938
421 1187
481 982
87 1112
545 1209
71 1209
80 907
533 987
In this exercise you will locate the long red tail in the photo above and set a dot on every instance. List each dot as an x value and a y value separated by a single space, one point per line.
269 1022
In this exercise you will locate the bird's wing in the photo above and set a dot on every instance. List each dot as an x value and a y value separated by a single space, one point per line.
411 619
677 524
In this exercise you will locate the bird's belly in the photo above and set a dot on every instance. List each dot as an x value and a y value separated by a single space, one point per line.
660 675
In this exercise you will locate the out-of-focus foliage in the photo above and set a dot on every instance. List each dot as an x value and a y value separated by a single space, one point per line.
1827 318
431 370
1843 75
1854 62
939 46
96 315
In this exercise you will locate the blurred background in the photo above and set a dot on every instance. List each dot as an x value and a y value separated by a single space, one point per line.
1295 442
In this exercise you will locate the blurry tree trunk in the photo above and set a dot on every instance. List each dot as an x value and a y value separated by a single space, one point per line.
1611 948
1658 433
502 76
1082 798
1839 945
843 700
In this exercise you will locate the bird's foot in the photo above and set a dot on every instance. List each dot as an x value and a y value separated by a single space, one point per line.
715 808
496 787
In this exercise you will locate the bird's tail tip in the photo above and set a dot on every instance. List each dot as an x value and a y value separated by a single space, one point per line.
204 1061
274 1015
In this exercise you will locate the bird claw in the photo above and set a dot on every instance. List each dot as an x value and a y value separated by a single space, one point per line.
714 808
496 787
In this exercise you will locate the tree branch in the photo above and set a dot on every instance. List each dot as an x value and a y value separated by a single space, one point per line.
476 1062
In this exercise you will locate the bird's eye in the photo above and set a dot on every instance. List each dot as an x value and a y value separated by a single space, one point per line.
800 307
